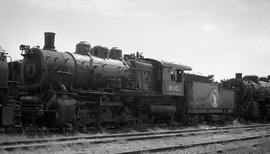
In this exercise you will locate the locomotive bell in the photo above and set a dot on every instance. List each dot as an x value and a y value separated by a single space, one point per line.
49 41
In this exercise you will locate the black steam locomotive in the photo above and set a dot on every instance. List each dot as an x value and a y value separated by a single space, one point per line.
99 86
252 96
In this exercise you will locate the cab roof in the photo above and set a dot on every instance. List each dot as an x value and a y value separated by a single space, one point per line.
171 65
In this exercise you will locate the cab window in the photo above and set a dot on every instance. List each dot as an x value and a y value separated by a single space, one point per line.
179 74
172 76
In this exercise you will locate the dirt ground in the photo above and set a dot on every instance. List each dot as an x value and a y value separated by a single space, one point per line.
124 145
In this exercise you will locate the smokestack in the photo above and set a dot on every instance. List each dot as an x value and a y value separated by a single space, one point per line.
49 41
238 76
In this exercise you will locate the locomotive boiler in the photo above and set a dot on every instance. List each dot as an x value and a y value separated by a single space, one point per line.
97 86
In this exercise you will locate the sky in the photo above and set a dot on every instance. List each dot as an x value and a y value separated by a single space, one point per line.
219 37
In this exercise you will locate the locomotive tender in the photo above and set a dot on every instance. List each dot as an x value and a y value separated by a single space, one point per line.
206 101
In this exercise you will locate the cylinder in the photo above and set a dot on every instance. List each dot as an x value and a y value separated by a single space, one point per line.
49 41
238 76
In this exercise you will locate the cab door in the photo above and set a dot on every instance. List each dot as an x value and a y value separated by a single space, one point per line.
173 83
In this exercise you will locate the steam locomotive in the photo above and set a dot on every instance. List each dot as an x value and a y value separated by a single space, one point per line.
252 96
99 86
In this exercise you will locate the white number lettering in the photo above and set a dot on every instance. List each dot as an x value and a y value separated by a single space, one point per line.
173 88
170 88
176 88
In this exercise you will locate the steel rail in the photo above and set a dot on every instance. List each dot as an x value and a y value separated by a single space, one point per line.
39 143
231 149
185 146
123 135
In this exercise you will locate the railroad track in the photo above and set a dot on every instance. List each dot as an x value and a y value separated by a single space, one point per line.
98 139
185 146
256 145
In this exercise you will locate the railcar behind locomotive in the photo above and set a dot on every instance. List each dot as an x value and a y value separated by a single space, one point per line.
97 86
252 96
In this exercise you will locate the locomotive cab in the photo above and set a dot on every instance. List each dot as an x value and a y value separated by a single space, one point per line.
170 77
172 81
